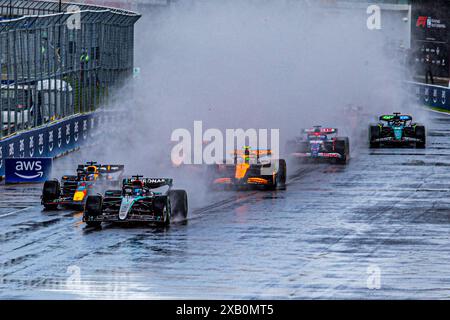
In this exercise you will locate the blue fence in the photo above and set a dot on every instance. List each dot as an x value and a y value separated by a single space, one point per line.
54 139
434 97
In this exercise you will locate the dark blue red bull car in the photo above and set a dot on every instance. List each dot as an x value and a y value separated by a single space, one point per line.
72 190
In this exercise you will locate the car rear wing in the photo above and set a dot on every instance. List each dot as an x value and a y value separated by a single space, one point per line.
397 116
151 183
257 153
320 131
111 168
102 168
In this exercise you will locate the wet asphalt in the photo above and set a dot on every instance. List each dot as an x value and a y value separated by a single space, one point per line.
377 228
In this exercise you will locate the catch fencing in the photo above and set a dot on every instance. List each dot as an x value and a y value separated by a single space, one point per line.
59 60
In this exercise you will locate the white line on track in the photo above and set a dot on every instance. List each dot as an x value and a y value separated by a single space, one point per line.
13 212
436 111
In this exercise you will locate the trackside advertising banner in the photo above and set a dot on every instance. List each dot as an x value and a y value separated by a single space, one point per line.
27 170
434 97
430 36
54 139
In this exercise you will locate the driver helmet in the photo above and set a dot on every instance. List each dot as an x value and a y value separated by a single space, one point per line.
137 187
246 154
91 169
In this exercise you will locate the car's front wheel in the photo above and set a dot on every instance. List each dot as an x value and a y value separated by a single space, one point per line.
282 174
374 133
50 194
179 203
420 134
92 210
343 148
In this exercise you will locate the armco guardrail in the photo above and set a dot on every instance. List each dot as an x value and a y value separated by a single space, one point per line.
55 139
435 97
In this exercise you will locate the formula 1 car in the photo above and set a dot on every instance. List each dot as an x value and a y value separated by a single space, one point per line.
139 201
249 168
74 189
316 144
395 130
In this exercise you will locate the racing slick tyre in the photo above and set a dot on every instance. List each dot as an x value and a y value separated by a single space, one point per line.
280 177
93 209
343 148
51 193
374 133
178 203
420 134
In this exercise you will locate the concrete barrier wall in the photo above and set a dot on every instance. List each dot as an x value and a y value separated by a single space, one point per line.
436 98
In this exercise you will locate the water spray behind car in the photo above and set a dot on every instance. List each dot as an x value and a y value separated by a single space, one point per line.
248 65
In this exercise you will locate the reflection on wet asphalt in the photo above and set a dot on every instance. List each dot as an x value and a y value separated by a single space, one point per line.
388 209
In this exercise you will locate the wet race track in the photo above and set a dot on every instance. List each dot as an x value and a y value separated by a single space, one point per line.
327 236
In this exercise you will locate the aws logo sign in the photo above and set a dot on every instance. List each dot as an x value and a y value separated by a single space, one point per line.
27 170
25 166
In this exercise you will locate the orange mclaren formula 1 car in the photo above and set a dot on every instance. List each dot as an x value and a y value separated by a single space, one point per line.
74 189
249 168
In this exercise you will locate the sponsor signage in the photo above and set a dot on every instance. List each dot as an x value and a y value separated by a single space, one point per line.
27 170
430 23
435 97
430 37
56 139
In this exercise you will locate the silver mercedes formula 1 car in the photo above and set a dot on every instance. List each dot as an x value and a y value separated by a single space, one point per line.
141 200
